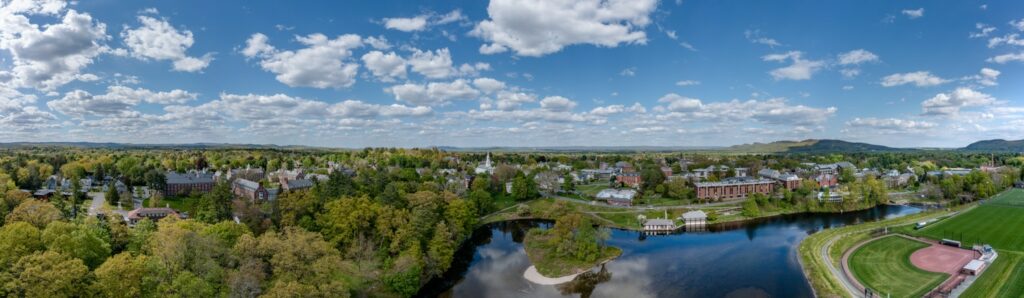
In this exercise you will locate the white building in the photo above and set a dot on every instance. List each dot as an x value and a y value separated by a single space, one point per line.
486 167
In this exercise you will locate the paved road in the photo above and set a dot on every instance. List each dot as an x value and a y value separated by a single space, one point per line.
98 202
848 285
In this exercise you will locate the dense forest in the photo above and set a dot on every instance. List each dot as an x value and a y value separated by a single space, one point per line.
382 230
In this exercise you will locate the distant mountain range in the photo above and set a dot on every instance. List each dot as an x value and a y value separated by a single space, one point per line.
805 146
998 145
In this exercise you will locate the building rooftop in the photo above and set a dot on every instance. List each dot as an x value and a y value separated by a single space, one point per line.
735 181
189 178
659 222
696 214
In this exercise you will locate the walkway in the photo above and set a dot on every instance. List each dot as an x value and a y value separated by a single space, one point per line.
98 202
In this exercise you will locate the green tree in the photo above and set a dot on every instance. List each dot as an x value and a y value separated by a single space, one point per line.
568 185
520 188
482 201
17 240
36 213
441 249
215 206
750 208
125 275
87 242
112 196
187 284
47 274
651 177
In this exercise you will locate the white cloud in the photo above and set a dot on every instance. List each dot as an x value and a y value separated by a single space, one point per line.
628 72
386 67
950 104
754 36
507 101
1012 39
324 63
687 83
1018 24
432 64
914 13
359 109
987 77
678 103
557 104
49 58
433 93
918 78
775 111
406 24
847 88
27 119
850 72
983 30
488 85
1002 59
891 124
800 69
540 27
688 46
422 22
157 39
116 100
856 57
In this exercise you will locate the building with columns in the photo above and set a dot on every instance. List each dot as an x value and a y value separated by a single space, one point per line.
733 188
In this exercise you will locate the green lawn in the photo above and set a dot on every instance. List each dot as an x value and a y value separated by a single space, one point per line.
998 222
592 189
1004 279
542 255
884 265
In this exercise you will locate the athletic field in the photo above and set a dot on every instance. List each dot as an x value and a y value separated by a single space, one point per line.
884 266
999 222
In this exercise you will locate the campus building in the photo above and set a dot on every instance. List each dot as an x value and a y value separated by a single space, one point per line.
733 188
631 179
183 184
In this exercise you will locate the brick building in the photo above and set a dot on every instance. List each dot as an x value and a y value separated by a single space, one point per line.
183 184
733 188
252 191
629 179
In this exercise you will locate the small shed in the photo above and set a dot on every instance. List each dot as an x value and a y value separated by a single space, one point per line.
974 267
659 224
696 217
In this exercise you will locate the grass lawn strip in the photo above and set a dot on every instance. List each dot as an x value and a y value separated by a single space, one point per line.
884 266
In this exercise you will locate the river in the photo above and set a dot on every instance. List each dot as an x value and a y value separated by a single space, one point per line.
750 259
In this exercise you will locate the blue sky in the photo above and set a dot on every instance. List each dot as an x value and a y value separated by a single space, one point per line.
511 72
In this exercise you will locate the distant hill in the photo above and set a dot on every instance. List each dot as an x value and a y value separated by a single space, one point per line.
91 145
996 145
812 146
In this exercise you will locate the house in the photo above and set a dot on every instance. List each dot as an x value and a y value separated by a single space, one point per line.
181 184
899 180
625 167
631 179
831 198
667 171
248 173
659 224
51 182
787 180
153 214
826 180
486 167
695 217
618 197
740 172
734 188
253 191
295 184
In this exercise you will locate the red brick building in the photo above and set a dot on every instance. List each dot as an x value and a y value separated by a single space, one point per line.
826 180
183 184
733 188
629 179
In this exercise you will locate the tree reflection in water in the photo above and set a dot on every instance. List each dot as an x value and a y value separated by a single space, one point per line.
585 283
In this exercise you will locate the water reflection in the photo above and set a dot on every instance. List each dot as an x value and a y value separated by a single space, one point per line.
752 259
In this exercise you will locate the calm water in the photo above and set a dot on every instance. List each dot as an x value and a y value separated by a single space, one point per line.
753 259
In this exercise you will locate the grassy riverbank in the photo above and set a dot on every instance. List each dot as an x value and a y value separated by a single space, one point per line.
549 263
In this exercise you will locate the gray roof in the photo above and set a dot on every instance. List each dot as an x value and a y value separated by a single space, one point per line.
299 183
189 178
659 222
249 185
696 214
